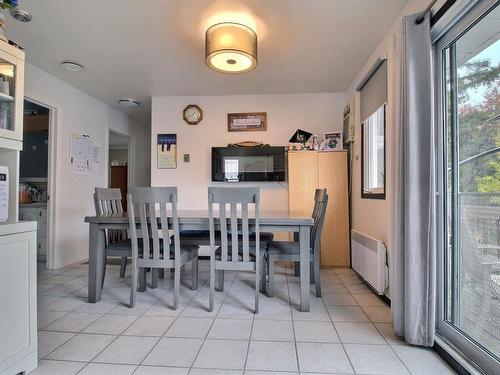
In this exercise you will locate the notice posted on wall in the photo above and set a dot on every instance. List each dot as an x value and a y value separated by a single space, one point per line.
84 154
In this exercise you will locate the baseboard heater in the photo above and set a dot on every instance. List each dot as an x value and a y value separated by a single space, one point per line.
369 260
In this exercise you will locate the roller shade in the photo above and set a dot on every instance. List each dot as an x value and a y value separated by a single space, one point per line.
374 91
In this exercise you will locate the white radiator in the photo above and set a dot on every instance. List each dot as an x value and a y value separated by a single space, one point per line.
369 260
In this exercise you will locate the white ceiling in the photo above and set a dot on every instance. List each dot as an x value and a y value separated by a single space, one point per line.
151 48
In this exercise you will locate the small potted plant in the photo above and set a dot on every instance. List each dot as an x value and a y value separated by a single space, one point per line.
6 4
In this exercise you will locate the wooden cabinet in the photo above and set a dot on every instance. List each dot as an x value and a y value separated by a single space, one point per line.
308 171
119 179
18 323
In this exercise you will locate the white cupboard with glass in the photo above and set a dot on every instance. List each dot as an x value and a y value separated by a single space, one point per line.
18 241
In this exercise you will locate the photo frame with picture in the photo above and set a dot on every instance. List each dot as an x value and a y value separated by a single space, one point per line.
333 141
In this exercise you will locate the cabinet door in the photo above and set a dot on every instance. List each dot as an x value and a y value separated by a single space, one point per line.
18 324
332 168
302 181
11 96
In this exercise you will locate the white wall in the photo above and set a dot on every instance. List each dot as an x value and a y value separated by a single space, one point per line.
317 113
80 112
373 216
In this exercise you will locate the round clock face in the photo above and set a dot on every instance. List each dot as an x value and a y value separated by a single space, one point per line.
192 114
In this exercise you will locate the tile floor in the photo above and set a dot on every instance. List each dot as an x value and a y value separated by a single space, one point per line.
348 331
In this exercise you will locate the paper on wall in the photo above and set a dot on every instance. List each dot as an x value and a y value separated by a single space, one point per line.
84 154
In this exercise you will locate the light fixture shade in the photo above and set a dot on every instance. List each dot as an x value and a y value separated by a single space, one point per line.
231 48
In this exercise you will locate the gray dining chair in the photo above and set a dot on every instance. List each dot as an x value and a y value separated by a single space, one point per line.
236 251
108 201
149 250
290 251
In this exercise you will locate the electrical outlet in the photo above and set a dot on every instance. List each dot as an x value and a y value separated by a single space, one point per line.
187 158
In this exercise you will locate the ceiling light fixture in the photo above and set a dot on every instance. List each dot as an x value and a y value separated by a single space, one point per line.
21 15
231 48
129 102
71 66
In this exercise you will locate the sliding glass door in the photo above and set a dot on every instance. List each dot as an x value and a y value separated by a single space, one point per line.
468 68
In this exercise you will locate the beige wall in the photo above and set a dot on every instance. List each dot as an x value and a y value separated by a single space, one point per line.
375 217
317 113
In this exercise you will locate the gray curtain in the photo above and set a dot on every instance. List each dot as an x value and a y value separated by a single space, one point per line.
414 294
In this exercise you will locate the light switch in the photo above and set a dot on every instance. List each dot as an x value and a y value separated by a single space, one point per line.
187 158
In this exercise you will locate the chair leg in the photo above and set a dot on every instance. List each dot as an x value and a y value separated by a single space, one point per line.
133 286
161 273
123 267
311 271
142 279
104 269
194 270
270 271
263 273
154 278
296 268
220 281
212 285
257 280
177 284
317 278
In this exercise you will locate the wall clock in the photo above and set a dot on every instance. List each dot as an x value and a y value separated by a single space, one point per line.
192 114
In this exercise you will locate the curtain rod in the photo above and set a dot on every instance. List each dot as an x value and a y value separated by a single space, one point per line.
421 17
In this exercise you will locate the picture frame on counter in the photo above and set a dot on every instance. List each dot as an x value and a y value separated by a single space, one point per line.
333 141
249 121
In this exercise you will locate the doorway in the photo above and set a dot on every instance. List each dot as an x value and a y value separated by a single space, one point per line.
118 160
34 173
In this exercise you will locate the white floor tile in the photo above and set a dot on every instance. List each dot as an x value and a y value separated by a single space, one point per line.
111 324
272 330
308 331
378 314
129 350
329 358
154 326
272 356
359 333
347 314
45 318
107 369
73 322
368 299
422 361
82 347
339 299
49 341
48 367
222 354
178 352
196 328
155 370
235 329
375 359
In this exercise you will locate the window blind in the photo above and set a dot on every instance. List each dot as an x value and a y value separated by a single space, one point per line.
374 91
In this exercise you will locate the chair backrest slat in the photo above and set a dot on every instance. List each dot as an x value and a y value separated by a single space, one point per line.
235 197
245 232
108 201
319 213
146 201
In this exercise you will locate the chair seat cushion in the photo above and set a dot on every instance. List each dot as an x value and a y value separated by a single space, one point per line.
202 238
187 252
120 248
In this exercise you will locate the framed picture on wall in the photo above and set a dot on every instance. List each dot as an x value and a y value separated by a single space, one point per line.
166 147
244 122
333 141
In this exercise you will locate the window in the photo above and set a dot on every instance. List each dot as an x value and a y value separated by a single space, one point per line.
373 155
468 61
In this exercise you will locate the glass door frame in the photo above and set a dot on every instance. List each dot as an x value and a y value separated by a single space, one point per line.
450 334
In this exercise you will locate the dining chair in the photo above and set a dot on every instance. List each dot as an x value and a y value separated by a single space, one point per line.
236 251
290 251
149 250
109 201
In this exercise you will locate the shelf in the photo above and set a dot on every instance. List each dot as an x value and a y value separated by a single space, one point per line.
6 98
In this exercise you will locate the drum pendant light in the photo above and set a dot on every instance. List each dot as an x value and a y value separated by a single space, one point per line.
231 48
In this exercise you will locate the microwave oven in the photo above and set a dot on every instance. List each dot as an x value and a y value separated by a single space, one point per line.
248 164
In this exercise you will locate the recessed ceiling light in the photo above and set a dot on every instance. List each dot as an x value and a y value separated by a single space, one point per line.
21 14
71 66
129 102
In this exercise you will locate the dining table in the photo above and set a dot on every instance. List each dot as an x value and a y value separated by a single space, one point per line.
197 220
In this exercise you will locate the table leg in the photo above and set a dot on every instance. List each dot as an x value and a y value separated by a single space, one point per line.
96 262
304 239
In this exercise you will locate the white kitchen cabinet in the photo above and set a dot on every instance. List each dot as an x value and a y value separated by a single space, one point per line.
18 313
37 212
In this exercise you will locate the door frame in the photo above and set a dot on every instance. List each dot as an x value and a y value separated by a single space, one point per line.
451 335
130 157
52 180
